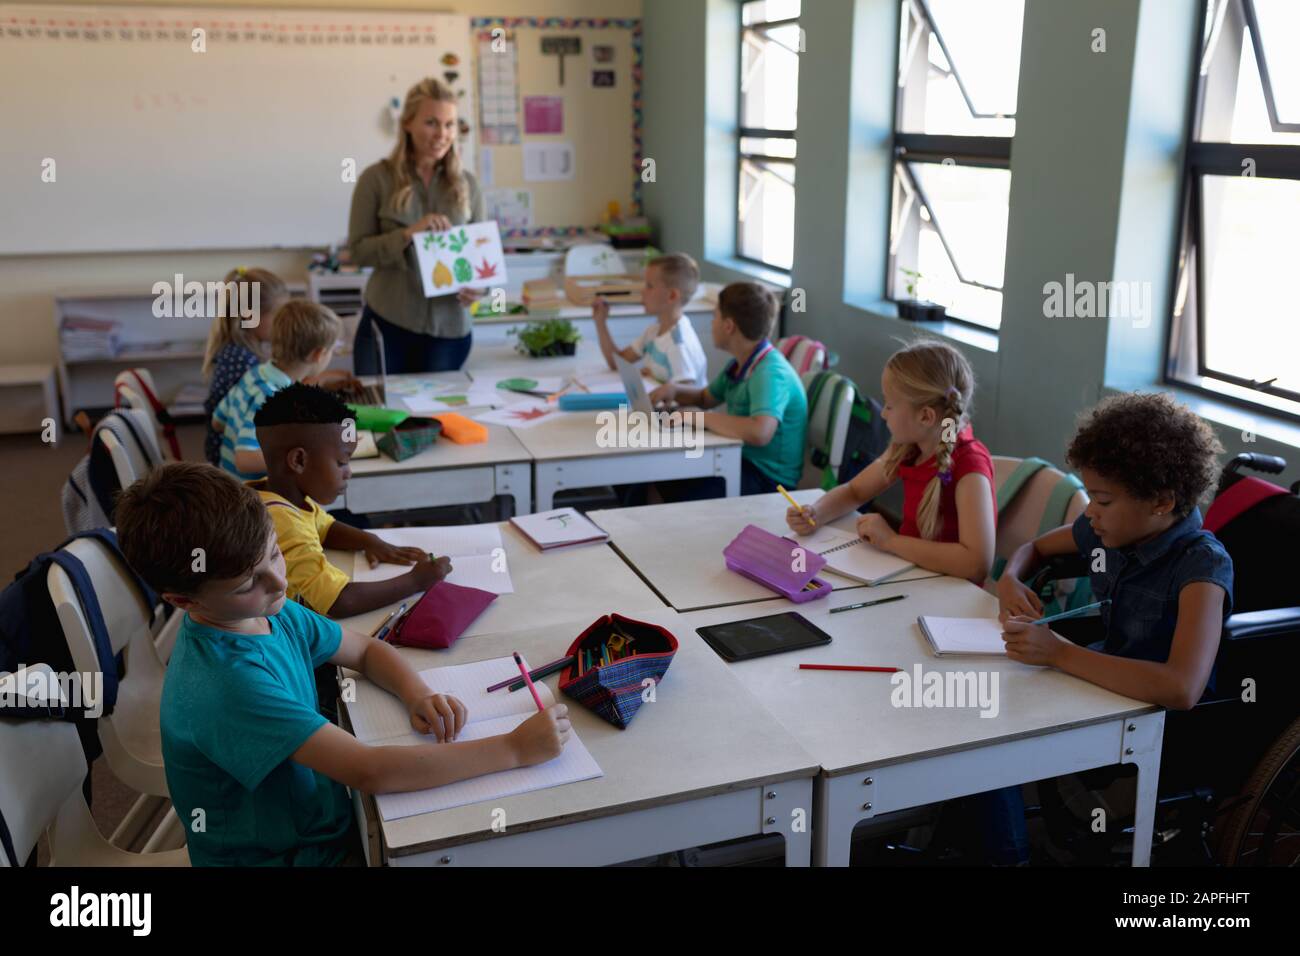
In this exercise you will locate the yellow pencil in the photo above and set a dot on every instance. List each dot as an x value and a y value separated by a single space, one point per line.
796 506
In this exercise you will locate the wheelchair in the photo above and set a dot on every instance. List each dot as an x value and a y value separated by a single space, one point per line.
1229 791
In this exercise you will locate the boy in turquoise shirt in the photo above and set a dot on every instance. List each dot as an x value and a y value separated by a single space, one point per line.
257 776
766 405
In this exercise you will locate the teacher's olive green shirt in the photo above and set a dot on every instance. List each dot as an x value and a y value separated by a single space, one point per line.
376 240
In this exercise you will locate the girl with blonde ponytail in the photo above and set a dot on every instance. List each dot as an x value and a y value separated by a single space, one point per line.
949 503
421 185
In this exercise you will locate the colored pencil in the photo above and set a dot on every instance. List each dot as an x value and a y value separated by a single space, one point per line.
848 667
529 681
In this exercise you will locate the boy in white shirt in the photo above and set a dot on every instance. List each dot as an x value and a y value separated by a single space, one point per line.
669 345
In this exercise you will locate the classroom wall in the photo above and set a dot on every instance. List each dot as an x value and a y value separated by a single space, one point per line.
1096 170
28 283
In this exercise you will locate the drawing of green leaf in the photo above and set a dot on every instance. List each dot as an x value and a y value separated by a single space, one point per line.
463 271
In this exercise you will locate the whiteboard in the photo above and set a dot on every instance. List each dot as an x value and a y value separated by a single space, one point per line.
152 145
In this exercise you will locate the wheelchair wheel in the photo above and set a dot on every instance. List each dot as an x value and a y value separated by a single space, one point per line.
1264 830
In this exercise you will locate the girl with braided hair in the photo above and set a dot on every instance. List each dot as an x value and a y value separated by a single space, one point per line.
949 502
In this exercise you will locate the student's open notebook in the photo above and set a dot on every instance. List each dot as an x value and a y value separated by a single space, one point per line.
852 556
378 718
957 636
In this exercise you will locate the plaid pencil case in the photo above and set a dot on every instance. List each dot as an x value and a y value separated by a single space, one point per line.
613 660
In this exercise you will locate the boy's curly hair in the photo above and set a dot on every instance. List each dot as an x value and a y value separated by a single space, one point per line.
1150 444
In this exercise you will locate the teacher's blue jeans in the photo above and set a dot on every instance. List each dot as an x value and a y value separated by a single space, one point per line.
405 352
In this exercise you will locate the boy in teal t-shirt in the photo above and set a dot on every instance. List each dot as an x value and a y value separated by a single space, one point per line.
256 774
766 405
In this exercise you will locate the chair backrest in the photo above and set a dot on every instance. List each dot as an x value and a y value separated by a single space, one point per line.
1046 499
134 388
126 615
594 259
129 436
41 768
830 409
805 354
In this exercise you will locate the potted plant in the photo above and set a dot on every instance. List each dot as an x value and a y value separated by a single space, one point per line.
547 338
918 310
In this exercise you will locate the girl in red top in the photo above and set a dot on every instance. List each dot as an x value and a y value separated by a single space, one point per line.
949 503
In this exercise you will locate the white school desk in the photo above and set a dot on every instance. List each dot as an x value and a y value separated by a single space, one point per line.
445 474
877 758
565 454
566 585
677 548
702 763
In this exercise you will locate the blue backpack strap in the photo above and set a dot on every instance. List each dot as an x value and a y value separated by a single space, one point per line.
108 538
76 572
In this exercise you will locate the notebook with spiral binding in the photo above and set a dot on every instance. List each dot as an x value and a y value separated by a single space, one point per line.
851 556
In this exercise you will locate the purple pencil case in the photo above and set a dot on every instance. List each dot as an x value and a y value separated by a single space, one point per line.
780 564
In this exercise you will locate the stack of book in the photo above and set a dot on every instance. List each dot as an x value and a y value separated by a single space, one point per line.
85 339
542 296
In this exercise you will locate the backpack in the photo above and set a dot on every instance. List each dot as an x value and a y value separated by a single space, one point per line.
866 439
1064 595
30 630
89 491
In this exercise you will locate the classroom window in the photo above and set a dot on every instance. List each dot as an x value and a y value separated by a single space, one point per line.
1234 332
770 43
954 120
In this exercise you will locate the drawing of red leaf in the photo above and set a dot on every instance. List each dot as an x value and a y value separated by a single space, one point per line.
486 270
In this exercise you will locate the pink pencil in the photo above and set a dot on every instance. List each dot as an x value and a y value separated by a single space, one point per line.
846 667
528 680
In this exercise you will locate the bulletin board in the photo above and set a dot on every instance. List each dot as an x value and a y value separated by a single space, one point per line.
582 137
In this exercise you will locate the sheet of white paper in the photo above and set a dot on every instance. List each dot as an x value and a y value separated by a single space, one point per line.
548 162
379 718
464 257
521 415
966 635
478 557
378 715
575 763
435 402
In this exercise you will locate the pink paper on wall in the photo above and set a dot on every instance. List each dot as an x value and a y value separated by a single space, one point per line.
543 114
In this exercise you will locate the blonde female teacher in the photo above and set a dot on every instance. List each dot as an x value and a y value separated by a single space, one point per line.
420 186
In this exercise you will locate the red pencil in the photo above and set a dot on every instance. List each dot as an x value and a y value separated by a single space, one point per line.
848 667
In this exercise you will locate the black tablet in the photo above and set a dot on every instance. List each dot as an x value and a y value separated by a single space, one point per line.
760 636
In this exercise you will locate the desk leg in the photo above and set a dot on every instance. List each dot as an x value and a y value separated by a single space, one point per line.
1140 746
788 810
515 480
726 464
841 802
547 481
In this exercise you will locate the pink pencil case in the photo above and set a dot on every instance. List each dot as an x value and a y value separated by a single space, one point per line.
777 563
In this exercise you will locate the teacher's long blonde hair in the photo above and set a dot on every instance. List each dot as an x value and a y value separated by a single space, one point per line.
448 171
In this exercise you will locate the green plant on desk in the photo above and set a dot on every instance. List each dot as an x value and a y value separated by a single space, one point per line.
548 337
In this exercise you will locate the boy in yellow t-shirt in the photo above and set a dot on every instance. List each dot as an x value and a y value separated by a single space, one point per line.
301 429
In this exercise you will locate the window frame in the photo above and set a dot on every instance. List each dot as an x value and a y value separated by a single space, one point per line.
988 152
1216 158
744 132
